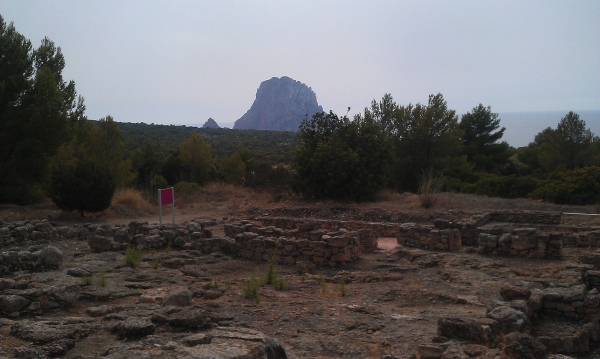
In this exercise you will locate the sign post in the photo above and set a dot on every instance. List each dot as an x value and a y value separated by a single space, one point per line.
166 196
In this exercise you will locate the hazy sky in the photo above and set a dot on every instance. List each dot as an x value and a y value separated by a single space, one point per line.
182 62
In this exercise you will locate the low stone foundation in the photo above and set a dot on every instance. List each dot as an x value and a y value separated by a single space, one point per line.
522 242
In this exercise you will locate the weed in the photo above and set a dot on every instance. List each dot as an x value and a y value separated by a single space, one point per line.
251 289
154 264
86 280
303 277
133 257
168 247
321 281
380 279
272 271
103 281
228 284
210 285
153 252
537 275
280 284
430 186
343 286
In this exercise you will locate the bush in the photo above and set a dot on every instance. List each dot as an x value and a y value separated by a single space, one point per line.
429 189
133 257
580 186
251 289
493 185
272 271
85 186
186 189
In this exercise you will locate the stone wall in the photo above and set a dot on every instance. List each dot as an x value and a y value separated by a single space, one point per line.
532 217
413 235
522 242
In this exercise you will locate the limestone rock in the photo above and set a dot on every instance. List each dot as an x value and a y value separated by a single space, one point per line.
509 293
100 243
510 320
522 346
190 319
50 257
280 105
134 328
178 298
66 293
13 303
471 330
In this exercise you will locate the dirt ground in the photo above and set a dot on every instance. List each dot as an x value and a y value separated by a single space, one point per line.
387 302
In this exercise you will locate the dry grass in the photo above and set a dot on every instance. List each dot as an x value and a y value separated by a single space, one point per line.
233 198
130 202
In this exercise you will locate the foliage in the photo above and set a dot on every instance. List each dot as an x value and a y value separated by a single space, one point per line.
481 142
146 165
251 289
421 137
272 271
133 257
86 280
232 169
37 111
580 186
571 145
86 170
340 159
196 160
429 188
321 281
186 189
269 147
102 280
85 186
493 185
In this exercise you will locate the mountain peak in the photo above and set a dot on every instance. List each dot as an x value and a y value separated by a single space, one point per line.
280 105
210 123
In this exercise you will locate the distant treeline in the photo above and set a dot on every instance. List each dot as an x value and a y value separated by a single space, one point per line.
48 147
270 147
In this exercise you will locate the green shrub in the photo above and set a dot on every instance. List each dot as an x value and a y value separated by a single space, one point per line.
280 283
102 280
186 189
321 281
251 289
272 271
133 257
493 185
86 280
580 186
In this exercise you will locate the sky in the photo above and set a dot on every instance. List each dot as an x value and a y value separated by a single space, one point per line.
181 62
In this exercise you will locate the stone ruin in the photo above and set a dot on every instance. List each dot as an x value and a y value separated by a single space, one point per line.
329 242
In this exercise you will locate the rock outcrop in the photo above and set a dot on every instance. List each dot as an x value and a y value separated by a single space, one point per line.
280 105
210 123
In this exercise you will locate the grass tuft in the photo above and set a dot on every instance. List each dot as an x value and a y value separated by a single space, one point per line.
133 257
102 280
86 280
251 289
321 281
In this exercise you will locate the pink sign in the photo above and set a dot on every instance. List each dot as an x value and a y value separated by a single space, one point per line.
166 196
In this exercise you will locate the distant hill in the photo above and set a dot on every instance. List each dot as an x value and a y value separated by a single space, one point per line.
270 147
280 105
210 123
